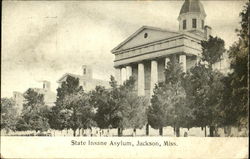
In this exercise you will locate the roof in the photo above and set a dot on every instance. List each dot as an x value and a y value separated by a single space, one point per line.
93 80
69 74
192 6
140 30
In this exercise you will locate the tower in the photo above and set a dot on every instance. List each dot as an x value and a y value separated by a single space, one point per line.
46 85
87 71
192 17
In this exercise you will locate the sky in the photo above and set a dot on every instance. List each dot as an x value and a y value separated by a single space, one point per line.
42 40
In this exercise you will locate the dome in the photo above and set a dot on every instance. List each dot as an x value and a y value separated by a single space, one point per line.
192 6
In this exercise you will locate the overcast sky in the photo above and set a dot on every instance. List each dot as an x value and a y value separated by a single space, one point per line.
43 40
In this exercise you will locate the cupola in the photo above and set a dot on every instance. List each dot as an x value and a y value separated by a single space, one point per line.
192 17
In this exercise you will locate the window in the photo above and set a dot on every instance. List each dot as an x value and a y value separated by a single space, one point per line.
202 24
184 24
145 35
84 71
194 23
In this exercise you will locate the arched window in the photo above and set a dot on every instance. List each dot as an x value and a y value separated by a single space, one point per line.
184 24
194 25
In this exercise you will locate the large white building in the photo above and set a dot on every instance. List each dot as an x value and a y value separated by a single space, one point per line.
86 80
145 53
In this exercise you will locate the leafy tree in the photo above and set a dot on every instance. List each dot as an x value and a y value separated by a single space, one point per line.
204 89
60 114
168 102
212 50
33 113
133 108
8 114
135 111
119 107
81 113
204 85
72 108
99 99
236 98
21 125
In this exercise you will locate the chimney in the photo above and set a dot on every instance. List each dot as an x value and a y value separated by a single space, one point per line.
208 31
46 85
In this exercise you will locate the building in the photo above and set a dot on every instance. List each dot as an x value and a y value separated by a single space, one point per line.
145 53
86 80
18 99
49 96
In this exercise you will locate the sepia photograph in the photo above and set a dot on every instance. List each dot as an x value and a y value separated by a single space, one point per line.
123 73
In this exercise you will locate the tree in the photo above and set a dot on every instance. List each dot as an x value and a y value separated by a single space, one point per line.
60 114
119 107
212 50
72 108
204 89
81 112
99 99
206 84
133 107
168 102
8 114
236 110
33 113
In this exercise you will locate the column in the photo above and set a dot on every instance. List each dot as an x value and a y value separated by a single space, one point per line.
141 80
128 72
118 76
154 76
167 59
123 76
182 60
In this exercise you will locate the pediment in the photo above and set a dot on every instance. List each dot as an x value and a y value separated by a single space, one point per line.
144 35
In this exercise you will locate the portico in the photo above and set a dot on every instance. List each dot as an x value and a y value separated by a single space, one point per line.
155 73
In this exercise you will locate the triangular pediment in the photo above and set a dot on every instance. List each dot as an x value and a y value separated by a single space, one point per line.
145 35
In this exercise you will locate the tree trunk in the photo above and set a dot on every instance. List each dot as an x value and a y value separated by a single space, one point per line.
91 132
82 132
74 132
119 131
108 132
67 131
177 132
205 131
147 129
160 131
211 131
174 131
134 131
79 131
